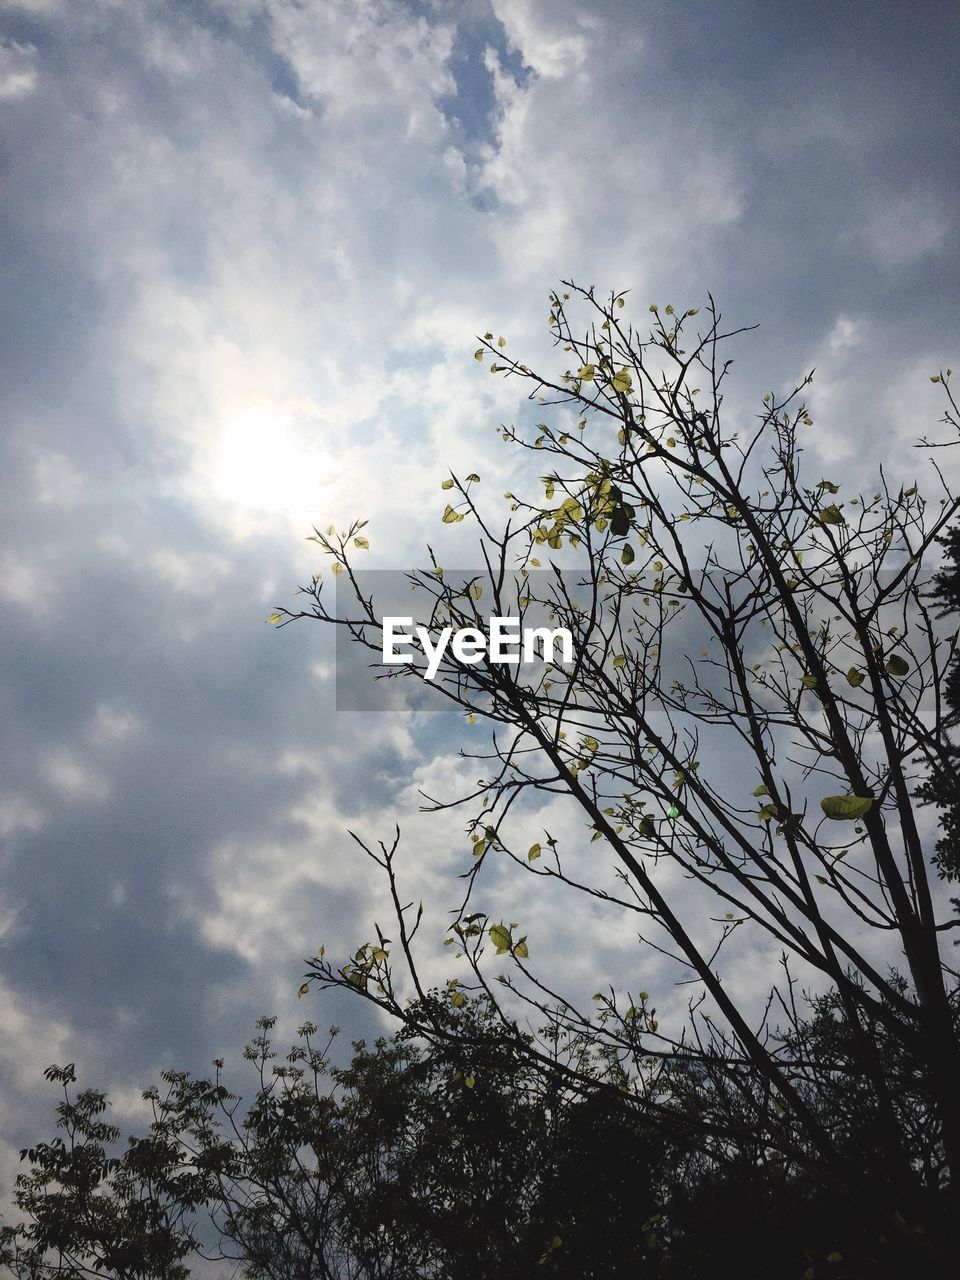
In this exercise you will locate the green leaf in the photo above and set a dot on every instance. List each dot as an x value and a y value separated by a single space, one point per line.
620 660
362 544
591 744
499 935
302 990
521 949
622 382
447 484
533 852
762 790
896 666
478 354
458 1000
846 808
469 1081
809 682
855 677
473 477
768 811
627 555
586 373
832 515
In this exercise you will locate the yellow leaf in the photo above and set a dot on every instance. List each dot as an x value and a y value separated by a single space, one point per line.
450 516
469 1081
274 617
336 569
846 808
622 382
447 484
586 372
362 544
302 991
478 354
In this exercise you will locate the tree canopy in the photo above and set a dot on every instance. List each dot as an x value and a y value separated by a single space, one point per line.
755 699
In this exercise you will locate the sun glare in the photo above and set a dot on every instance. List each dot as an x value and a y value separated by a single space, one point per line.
267 463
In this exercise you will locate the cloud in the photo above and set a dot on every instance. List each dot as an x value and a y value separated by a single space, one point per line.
904 229
18 70
249 245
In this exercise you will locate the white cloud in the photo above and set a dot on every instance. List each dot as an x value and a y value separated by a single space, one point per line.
845 333
555 40
72 778
18 70
112 723
903 228
18 814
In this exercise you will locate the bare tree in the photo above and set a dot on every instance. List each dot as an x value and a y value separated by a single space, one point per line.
755 693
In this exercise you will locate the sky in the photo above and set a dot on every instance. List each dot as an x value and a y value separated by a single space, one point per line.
246 246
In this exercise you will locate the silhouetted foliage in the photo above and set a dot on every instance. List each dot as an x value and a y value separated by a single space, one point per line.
753 704
942 788
408 1162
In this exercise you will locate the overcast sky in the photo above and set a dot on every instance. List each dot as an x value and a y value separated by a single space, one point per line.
246 246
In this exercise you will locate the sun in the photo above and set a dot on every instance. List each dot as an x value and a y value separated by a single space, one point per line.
270 463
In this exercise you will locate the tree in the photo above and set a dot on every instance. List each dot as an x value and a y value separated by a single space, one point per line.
942 787
752 703
405 1163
